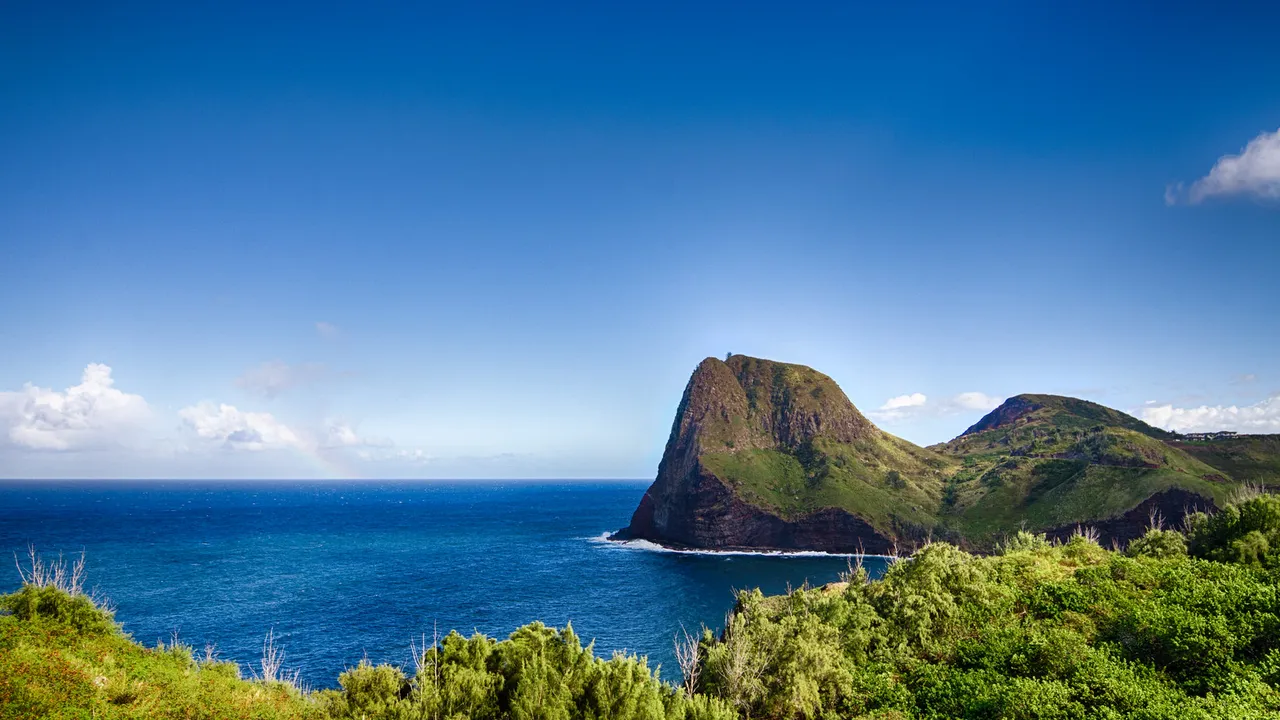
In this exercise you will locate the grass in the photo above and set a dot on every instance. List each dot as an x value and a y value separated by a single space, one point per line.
63 656
885 480
1252 457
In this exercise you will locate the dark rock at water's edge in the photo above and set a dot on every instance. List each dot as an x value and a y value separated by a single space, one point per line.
711 517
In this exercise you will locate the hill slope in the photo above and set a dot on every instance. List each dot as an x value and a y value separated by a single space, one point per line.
1051 462
768 454
765 454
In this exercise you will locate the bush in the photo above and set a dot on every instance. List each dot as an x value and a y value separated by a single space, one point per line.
1158 544
32 603
1246 534
369 692
1024 542
538 672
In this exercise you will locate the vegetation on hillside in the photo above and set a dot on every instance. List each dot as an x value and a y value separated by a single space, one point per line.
795 444
1253 457
1042 461
1183 624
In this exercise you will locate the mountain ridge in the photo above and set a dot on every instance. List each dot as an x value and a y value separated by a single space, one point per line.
771 455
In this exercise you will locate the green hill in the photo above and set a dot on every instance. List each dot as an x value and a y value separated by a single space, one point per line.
1048 462
765 454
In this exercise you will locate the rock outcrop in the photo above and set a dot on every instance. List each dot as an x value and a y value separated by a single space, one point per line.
743 404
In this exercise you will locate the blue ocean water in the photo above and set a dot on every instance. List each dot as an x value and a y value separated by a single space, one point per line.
345 570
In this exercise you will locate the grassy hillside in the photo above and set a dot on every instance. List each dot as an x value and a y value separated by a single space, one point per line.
1255 458
1042 461
63 656
884 480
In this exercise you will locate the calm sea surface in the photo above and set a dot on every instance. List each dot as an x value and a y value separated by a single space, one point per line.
347 570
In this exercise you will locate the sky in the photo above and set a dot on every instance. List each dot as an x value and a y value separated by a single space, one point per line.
385 240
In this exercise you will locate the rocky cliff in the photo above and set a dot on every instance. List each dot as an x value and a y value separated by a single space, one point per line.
746 412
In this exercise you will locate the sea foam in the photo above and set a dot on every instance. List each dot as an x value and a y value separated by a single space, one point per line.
650 546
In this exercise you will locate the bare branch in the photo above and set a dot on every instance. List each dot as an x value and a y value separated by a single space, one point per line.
688 654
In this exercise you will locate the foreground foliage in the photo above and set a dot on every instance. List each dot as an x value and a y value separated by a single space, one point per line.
1177 626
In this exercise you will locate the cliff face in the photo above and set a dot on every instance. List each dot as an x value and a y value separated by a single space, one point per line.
738 406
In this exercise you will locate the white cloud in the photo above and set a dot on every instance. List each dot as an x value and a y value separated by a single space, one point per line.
93 414
916 406
905 401
1262 417
231 428
976 401
1255 171
238 430
327 330
272 378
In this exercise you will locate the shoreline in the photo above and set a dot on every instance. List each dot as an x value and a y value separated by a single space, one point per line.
644 544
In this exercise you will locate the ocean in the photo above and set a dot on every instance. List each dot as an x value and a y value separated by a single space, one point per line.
341 571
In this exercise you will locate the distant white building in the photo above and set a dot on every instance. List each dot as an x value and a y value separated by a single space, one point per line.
1219 435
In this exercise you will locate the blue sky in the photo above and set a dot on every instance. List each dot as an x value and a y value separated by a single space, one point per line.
484 240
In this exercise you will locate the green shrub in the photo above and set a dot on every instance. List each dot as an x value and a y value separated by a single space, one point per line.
49 603
1024 542
369 692
1246 534
1158 544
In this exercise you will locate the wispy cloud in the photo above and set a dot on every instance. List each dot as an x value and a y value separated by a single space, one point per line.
93 414
327 330
274 377
1254 171
976 401
914 406
905 401
1261 417
339 434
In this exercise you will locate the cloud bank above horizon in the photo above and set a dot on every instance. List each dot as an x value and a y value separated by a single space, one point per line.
95 416
1259 418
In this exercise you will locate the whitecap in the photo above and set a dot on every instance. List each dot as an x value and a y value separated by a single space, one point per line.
650 546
